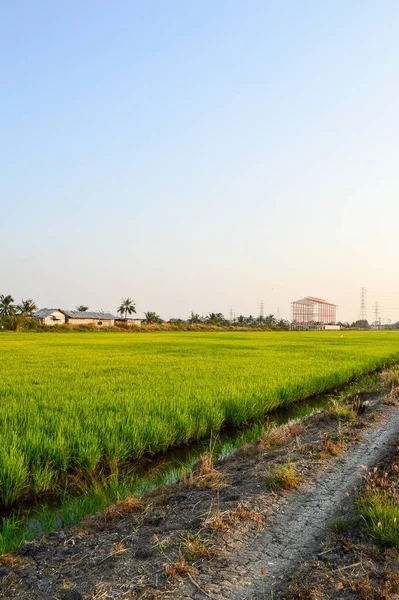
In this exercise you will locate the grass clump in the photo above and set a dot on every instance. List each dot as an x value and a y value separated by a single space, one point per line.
283 477
342 412
279 435
378 505
193 547
206 475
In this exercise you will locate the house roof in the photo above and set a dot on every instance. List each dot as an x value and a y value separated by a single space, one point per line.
80 314
131 318
44 312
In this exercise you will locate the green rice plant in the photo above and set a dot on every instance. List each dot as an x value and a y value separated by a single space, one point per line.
11 534
43 478
78 407
13 474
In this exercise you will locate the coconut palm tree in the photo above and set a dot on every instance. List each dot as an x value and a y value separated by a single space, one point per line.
26 307
7 307
127 307
82 308
194 319
152 317
241 321
215 319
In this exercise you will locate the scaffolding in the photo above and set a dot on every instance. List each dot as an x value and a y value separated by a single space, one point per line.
310 311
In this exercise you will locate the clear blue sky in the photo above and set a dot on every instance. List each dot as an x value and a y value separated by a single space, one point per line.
200 155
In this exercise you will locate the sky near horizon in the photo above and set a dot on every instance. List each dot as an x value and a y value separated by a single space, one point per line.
200 156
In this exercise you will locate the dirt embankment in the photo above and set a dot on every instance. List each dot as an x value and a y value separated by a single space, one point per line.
230 531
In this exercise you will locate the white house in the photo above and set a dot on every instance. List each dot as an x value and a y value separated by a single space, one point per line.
49 316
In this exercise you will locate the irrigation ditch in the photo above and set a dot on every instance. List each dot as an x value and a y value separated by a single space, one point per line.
38 516
197 531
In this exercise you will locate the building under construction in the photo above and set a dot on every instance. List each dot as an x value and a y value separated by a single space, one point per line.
312 312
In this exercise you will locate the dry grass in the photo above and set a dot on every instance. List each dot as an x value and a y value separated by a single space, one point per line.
283 477
386 588
193 547
222 521
392 398
119 547
277 437
100 592
206 476
331 447
15 561
218 521
174 570
389 377
123 508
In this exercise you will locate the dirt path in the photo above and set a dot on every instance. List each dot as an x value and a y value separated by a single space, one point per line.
297 532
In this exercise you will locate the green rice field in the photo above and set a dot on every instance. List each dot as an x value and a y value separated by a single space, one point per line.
79 404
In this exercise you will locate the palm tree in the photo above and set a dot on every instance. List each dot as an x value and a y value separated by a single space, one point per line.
26 307
152 317
7 307
127 307
270 320
82 308
215 319
194 319
241 320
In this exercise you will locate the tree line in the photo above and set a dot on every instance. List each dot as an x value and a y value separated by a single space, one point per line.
9 311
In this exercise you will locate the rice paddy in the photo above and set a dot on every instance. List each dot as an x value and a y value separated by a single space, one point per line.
76 407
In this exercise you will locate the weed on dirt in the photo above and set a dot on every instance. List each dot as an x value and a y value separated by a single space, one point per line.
282 477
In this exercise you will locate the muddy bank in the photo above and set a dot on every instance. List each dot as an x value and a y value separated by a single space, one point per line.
222 533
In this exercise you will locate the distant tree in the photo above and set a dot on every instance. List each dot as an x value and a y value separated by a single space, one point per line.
26 307
152 317
127 307
361 324
283 324
7 307
194 319
216 319
270 321
241 321
82 308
